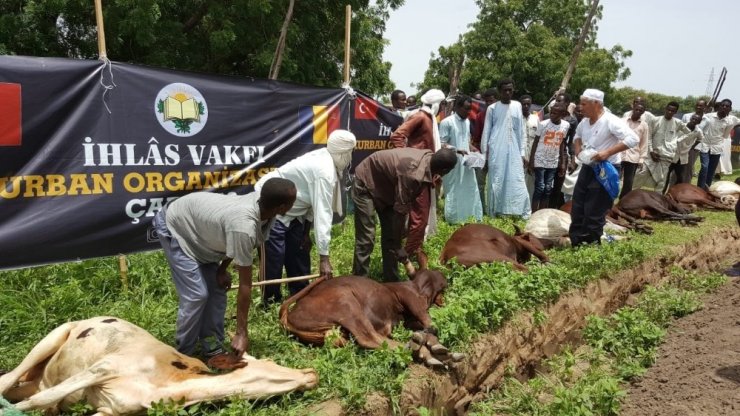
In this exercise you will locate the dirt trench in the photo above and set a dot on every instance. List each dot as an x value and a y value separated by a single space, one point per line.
522 345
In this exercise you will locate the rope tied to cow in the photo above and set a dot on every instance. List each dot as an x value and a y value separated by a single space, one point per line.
7 409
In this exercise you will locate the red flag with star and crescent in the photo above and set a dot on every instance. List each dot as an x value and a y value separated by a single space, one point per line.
366 109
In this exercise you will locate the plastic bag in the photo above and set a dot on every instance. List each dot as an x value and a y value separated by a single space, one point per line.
608 177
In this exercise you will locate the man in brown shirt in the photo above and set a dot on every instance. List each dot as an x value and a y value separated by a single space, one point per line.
418 132
388 181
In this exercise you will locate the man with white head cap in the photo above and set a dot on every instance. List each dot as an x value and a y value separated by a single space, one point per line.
317 176
420 131
600 136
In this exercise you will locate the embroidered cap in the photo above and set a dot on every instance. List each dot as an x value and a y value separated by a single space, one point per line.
593 94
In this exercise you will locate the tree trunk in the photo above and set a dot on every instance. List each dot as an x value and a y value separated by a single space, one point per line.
277 59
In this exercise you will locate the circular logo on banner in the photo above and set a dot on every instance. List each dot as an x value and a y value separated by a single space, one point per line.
181 109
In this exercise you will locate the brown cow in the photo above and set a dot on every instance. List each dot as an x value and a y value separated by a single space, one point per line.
120 369
651 205
614 218
473 244
695 197
362 307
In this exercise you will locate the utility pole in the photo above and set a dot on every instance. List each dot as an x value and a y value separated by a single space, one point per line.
710 83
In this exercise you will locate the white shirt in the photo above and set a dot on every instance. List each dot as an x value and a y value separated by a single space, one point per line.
531 124
314 177
664 135
607 132
715 131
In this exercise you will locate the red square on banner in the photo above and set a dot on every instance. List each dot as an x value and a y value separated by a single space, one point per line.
10 114
366 109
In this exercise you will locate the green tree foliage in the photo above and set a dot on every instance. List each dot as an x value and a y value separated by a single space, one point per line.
235 37
620 100
530 41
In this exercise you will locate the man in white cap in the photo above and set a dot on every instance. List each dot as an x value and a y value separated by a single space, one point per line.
317 176
420 131
600 136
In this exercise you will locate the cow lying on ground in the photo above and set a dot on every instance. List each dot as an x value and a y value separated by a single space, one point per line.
473 244
362 307
651 205
613 218
695 197
119 369
726 191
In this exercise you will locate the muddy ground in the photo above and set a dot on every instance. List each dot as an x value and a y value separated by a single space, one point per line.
698 367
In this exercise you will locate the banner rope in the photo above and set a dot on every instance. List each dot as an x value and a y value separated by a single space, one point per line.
7 409
106 88
352 94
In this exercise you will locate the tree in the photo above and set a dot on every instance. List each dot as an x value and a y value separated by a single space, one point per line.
531 41
236 37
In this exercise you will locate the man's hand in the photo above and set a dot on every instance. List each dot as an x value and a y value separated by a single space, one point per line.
437 180
561 171
654 155
240 344
223 278
474 149
325 269
572 165
600 156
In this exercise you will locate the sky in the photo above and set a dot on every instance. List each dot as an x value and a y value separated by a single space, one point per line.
675 44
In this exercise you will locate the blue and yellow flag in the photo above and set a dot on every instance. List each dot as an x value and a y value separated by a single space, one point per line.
317 122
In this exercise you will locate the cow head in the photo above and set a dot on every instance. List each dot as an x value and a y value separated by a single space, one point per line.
431 284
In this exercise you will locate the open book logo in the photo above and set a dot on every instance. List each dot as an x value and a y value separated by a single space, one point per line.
181 109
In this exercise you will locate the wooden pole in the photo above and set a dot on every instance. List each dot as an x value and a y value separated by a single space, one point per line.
102 54
347 27
279 281
123 267
581 40
277 60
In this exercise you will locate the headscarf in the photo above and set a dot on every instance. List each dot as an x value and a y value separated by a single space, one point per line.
340 145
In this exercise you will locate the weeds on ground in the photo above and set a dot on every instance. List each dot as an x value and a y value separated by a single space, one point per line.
618 348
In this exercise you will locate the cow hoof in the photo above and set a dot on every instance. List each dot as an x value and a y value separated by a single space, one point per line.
439 349
413 346
457 357
434 363
419 338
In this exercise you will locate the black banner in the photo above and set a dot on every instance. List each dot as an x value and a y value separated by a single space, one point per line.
89 151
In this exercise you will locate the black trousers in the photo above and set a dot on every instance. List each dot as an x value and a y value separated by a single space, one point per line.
678 169
628 177
590 205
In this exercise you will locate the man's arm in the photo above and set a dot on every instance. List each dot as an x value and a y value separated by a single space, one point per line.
400 137
487 125
535 142
240 341
323 213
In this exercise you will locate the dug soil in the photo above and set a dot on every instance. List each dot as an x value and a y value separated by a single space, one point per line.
698 367
523 343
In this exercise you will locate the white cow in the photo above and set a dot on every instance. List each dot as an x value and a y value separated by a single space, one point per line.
121 369
727 192
552 225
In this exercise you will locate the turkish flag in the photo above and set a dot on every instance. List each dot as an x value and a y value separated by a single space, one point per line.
366 109
10 114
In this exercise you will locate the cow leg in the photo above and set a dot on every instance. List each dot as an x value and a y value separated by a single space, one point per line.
715 204
366 335
50 397
38 355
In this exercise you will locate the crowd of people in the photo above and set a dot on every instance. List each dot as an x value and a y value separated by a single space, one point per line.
502 160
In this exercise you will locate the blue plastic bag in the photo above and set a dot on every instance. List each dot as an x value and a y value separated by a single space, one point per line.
608 177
